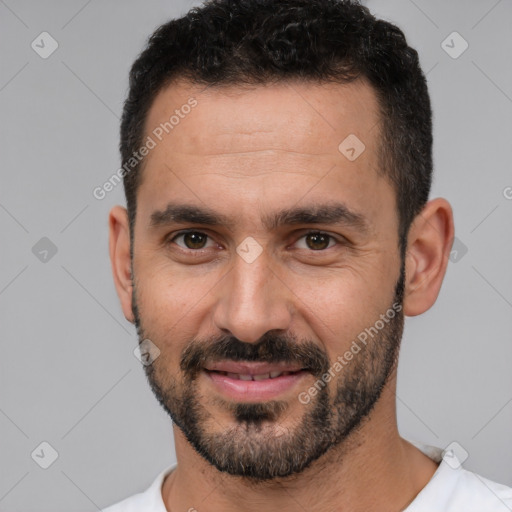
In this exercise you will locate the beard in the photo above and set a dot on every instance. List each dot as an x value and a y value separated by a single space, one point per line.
258 446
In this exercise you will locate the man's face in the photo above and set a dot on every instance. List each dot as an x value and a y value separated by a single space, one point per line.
263 291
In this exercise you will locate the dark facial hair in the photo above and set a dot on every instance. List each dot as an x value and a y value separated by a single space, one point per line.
258 447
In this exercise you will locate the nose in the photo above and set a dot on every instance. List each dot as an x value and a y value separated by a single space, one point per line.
253 299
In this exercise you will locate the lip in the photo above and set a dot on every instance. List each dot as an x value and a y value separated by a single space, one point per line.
254 390
253 368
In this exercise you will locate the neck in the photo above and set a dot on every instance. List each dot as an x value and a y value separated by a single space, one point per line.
373 469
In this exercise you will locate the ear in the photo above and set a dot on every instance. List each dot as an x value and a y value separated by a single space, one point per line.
119 248
429 243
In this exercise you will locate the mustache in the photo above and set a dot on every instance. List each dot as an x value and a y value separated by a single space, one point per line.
272 348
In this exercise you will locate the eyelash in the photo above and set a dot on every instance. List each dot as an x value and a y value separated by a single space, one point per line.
312 232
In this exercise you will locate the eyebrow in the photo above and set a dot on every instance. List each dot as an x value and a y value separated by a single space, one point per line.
330 213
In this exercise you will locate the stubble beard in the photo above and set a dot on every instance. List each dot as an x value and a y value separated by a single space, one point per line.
260 445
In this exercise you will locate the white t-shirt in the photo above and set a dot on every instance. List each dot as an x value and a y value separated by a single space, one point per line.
451 489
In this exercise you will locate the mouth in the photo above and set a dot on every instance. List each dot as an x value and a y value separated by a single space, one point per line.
258 376
253 381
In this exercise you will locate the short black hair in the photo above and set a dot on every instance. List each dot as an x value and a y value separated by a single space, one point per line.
236 42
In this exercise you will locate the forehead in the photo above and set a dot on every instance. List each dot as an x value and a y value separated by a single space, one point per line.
276 142
305 116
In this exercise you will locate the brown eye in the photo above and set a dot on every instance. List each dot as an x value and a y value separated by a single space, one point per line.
317 241
192 239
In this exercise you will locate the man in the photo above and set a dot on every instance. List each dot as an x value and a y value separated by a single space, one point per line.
277 169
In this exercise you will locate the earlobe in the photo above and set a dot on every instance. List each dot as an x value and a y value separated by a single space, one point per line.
428 249
119 249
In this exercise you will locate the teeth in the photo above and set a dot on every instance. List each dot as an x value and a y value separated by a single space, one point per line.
261 377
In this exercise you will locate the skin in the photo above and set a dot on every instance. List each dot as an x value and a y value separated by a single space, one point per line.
246 153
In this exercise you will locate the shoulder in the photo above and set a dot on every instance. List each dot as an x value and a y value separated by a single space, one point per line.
453 488
461 490
149 501
132 504
475 492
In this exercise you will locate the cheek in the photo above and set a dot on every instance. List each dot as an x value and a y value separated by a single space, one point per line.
174 305
337 310
165 308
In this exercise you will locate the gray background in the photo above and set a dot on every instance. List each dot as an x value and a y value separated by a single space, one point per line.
68 375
